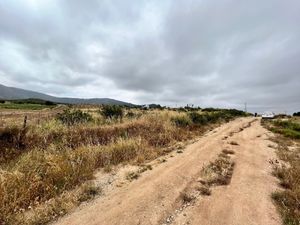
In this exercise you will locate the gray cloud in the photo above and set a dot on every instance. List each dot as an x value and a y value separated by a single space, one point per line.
208 53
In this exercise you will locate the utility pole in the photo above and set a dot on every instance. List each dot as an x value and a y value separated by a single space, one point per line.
245 106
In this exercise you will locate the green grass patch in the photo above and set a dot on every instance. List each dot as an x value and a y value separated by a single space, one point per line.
287 128
25 106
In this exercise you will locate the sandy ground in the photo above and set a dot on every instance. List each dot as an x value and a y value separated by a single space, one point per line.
154 198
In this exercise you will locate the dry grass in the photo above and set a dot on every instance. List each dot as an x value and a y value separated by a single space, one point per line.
39 176
156 129
45 162
132 176
186 197
218 172
204 190
56 207
288 172
288 199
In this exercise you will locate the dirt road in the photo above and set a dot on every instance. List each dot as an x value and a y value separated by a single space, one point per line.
155 197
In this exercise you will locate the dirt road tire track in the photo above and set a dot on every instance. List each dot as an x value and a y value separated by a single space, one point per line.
154 196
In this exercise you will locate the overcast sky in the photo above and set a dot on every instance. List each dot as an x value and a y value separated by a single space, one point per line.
218 53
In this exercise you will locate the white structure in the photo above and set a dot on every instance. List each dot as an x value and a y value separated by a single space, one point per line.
268 115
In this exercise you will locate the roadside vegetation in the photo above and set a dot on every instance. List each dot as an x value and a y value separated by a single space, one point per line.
289 128
44 167
288 170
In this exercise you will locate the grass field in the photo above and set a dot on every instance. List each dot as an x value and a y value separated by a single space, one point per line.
46 167
25 106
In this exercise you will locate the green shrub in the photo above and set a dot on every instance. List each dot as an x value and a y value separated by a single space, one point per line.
214 117
189 108
49 103
296 114
211 109
181 121
112 112
287 128
197 118
234 112
290 133
181 109
287 124
155 106
72 117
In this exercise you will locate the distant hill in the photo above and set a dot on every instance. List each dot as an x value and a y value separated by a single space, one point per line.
11 93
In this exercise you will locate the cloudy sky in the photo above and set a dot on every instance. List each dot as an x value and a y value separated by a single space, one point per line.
218 53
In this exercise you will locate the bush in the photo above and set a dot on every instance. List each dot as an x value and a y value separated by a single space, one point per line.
181 109
198 118
112 112
234 112
72 117
214 117
191 108
2 101
210 109
296 114
155 106
181 120
49 103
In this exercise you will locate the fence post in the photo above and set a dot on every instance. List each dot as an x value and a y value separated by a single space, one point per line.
25 122
22 134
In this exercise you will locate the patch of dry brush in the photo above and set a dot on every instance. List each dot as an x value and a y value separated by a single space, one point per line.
45 162
288 172
218 172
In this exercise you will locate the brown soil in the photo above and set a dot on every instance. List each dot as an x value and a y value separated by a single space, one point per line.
156 196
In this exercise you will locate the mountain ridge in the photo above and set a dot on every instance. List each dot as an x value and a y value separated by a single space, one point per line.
13 93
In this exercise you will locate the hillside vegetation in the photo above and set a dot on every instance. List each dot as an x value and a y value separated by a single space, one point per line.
46 167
